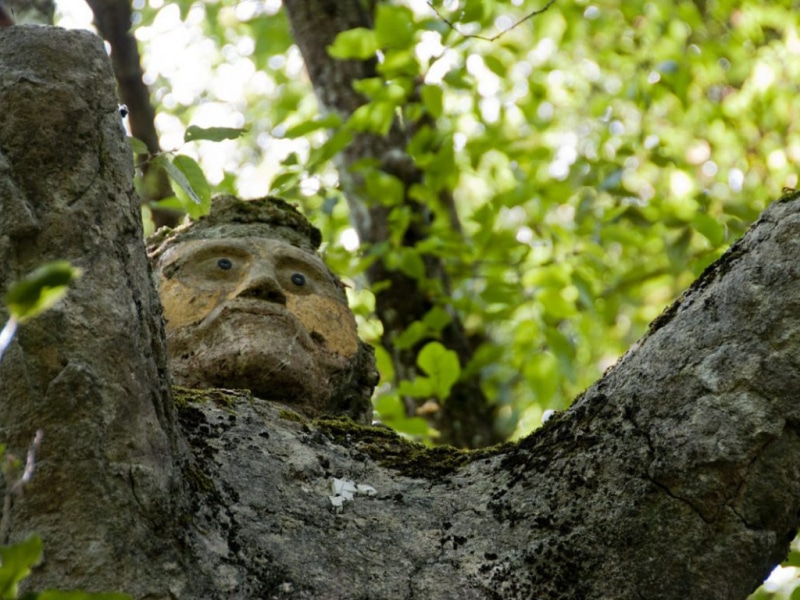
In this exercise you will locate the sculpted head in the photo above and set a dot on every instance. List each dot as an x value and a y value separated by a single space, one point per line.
249 304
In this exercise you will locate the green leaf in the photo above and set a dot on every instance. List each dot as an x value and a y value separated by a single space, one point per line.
710 228
384 363
335 144
437 318
432 97
16 562
177 176
442 367
411 264
411 335
394 26
390 406
359 44
375 117
384 188
137 145
41 289
329 121
399 63
214 134
197 180
420 387
793 560
184 173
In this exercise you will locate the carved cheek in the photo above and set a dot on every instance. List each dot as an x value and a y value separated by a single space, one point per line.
185 305
329 319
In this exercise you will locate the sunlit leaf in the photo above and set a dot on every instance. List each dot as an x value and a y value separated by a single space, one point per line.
16 562
197 182
713 230
185 172
394 26
419 387
329 121
137 145
441 366
214 134
359 43
41 289
432 97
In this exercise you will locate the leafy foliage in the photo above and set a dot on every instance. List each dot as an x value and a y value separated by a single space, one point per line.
600 157
16 563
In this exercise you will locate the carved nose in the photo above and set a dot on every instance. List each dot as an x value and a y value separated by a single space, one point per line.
263 286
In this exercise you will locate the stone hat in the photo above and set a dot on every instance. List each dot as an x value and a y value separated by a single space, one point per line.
231 217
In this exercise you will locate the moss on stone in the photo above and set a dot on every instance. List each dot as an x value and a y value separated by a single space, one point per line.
290 415
197 479
231 217
409 458
222 398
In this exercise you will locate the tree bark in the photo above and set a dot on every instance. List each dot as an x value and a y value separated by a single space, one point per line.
91 372
113 21
467 415
676 476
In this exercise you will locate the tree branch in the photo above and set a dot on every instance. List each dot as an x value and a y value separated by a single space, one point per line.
497 36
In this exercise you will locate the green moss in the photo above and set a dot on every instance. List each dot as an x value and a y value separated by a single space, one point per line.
409 458
290 415
225 399
789 194
197 479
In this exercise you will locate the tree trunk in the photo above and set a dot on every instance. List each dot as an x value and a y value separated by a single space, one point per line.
467 416
675 476
91 372
113 21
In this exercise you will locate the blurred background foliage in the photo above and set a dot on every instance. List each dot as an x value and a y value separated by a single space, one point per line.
601 155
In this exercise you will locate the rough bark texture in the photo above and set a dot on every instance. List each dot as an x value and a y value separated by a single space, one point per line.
90 372
676 476
113 21
467 417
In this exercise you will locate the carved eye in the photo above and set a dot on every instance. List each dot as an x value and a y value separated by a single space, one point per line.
298 279
224 263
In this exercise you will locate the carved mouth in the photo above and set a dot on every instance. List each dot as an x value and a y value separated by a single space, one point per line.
256 307
263 308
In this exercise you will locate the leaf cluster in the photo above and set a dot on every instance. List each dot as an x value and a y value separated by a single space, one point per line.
600 157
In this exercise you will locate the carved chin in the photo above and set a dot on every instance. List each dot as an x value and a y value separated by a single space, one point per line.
271 355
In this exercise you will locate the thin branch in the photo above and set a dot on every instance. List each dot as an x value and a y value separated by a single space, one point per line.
6 335
496 37
16 489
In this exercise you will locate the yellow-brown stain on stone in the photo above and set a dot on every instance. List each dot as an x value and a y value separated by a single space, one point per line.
329 318
184 304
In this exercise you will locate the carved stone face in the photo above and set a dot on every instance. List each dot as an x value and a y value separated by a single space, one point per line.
255 313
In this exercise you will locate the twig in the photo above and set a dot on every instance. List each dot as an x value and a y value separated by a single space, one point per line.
16 489
467 36
7 334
